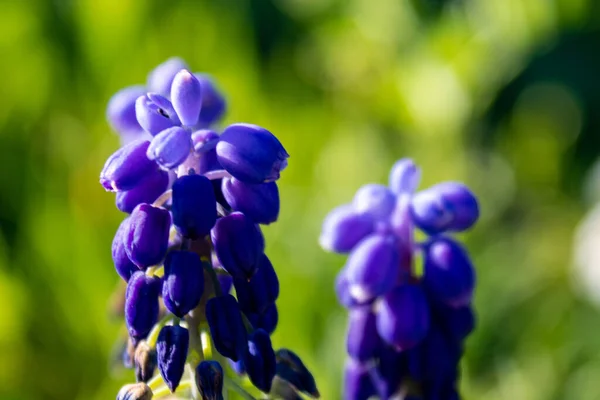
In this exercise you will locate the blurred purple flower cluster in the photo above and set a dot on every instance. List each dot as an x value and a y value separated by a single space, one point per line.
407 322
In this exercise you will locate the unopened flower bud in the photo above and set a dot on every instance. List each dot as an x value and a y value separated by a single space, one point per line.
363 341
213 102
357 381
147 191
161 78
259 360
291 368
344 228
375 200
146 237
194 206
267 320
209 380
251 154
170 147
259 202
141 304
186 95
145 361
122 263
255 295
126 167
120 112
226 326
183 282
404 177
151 116
135 391
171 352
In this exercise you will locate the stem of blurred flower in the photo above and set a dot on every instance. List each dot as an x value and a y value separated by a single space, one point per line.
153 335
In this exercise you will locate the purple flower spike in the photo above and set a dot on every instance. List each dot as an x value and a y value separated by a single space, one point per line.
213 102
373 267
161 77
449 276
403 317
259 202
363 341
448 206
170 147
404 177
344 228
357 381
120 112
376 200
141 304
151 116
147 191
256 295
186 95
259 360
194 206
125 268
209 380
204 140
238 244
171 352
251 154
126 167
183 282
147 235
226 326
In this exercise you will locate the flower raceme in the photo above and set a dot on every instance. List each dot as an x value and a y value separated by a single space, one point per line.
406 330
195 198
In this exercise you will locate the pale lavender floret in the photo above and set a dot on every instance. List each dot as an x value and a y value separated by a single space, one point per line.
186 96
161 77
447 206
170 147
373 267
251 154
120 112
126 167
375 200
151 117
166 105
363 341
403 316
204 140
344 228
405 176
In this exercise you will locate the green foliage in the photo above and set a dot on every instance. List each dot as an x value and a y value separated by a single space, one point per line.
497 93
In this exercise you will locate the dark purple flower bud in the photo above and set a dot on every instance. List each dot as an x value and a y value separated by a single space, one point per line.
238 244
226 326
259 202
226 282
120 112
357 381
145 361
259 360
344 228
403 316
375 200
147 191
186 95
373 267
204 140
404 177
257 294
147 235
435 359
126 167
209 380
251 154
267 320
122 263
363 341
194 206
141 304
153 118
389 372
291 369
171 352
170 147
237 366
447 206
213 102
161 77
135 391
183 283
449 276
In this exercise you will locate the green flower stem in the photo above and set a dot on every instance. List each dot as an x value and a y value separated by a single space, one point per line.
164 391
153 335
166 196
233 385
155 382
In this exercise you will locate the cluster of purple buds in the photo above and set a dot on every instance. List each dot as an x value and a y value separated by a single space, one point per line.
195 199
407 321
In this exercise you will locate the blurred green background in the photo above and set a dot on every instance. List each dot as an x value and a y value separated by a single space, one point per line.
501 94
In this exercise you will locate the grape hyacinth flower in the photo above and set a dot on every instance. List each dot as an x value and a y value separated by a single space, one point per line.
194 199
406 329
